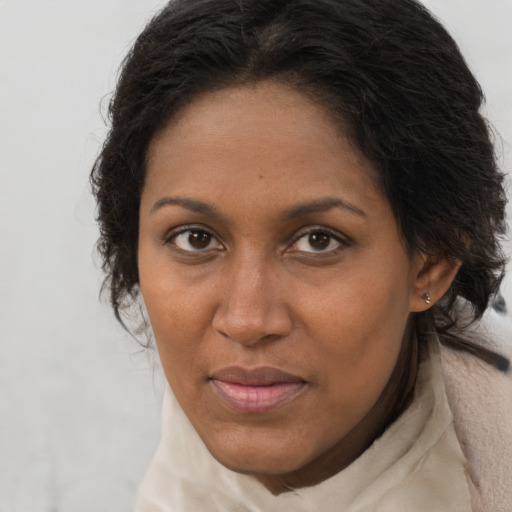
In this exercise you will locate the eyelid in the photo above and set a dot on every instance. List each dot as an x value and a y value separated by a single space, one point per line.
343 240
178 230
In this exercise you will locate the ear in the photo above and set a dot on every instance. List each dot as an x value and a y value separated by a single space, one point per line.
432 276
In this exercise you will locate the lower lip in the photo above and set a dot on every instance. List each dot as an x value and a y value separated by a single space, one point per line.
256 399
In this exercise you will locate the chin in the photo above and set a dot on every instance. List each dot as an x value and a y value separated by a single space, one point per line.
267 457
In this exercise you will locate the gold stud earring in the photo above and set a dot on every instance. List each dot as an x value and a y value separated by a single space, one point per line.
427 298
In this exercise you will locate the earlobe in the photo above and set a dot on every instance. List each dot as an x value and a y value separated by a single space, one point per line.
432 278
427 298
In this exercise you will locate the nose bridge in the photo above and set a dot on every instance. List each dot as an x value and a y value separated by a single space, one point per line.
251 306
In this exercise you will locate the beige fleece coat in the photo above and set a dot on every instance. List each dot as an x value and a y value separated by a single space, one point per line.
480 398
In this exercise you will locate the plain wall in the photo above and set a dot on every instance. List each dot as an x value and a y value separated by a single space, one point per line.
79 402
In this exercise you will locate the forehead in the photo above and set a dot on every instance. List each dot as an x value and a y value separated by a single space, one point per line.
265 142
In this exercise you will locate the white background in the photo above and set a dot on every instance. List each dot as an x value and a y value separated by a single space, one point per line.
78 400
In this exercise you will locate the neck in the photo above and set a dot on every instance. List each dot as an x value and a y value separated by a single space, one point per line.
393 400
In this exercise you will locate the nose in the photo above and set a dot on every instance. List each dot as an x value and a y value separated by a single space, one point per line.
251 308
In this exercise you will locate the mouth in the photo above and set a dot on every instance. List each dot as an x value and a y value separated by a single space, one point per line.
257 390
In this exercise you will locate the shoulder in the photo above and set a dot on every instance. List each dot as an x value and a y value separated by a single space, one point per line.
480 398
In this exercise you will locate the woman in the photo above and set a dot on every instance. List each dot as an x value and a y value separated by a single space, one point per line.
305 196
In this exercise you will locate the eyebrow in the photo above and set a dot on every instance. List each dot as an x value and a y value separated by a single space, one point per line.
316 206
190 204
322 205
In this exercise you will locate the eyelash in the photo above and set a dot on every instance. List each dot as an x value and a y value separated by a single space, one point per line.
171 237
333 235
342 242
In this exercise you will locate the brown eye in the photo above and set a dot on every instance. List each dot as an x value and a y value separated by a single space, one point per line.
199 239
194 240
319 240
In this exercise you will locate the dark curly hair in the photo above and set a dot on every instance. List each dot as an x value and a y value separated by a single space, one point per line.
387 68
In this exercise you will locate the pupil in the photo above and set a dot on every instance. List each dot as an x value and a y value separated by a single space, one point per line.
319 240
199 239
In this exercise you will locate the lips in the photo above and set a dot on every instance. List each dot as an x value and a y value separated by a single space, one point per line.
257 390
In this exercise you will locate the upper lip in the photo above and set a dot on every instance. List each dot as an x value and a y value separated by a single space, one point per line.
261 376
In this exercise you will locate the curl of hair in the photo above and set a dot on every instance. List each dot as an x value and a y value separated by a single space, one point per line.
387 68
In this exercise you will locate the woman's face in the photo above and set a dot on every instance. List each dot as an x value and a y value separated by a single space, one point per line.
274 275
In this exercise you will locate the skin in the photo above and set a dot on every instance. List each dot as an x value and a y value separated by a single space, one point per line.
264 242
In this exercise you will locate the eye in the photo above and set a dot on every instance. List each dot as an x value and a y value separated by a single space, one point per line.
317 241
194 240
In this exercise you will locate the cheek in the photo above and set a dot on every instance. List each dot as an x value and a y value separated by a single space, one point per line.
180 315
175 316
178 334
357 301
170 300
357 322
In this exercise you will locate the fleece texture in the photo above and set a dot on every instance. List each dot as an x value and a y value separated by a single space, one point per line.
480 398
